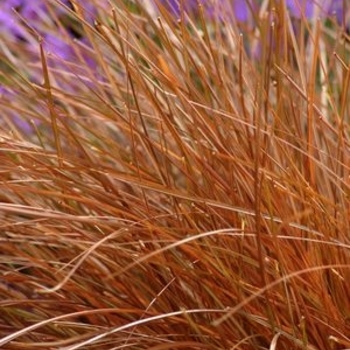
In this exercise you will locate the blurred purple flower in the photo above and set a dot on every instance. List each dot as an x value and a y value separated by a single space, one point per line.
55 44
239 8
8 21
321 8
16 15
8 103
20 21
242 8
300 8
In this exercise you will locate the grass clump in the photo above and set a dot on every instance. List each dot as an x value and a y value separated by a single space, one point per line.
189 189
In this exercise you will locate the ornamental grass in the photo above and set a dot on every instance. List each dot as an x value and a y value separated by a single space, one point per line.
180 182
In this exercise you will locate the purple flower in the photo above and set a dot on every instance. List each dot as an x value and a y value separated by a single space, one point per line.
320 8
17 15
8 103
239 8
26 20
21 22
300 8
8 22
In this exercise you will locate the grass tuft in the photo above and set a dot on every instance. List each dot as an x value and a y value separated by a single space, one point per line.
190 190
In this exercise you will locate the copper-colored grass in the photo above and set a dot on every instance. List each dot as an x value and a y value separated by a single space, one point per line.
184 194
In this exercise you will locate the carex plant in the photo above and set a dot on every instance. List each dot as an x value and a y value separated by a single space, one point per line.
174 180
